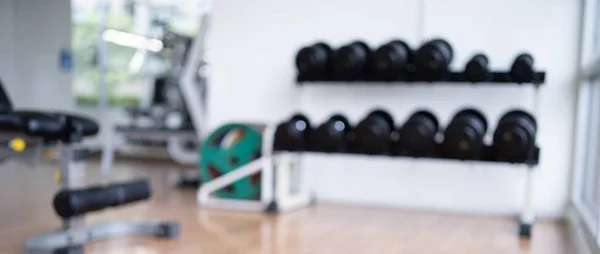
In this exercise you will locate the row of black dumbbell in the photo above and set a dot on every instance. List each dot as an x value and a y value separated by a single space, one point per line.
419 136
395 61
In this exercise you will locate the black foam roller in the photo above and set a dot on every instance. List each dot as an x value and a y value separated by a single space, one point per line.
70 203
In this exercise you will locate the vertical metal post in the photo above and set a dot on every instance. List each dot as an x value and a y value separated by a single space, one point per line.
267 172
528 213
102 54
72 176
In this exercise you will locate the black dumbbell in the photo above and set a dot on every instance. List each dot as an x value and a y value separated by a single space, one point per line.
292 135
514 137
432 60
463 137
332 135
477 69
314 62
417 137
392 61
521 70
352 61
372 134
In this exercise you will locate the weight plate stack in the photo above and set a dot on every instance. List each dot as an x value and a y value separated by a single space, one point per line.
352 62
226 149
521 70
292 135
372 135
392 61
477 69
463 138
331 136
417 135
432 60
514 137
314 62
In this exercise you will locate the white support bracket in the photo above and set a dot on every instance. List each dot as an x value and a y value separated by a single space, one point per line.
205 198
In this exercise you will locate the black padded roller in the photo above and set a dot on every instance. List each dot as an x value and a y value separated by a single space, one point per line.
514 137
392 61
331 136
477 69
70 203
463 138
314 62
522 69
352 61
292 135
372 134
433 59
417 135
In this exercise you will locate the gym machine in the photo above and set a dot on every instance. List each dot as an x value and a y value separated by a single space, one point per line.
187 80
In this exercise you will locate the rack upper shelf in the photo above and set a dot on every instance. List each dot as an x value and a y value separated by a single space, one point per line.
500 78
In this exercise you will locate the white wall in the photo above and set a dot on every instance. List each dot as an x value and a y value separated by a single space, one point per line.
253 44
7 58
41 30
34 32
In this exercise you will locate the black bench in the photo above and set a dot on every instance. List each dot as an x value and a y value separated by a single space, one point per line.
73 200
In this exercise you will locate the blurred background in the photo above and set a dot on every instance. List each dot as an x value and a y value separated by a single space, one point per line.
119 61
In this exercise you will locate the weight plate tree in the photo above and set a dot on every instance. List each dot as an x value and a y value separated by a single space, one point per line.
477 69
514 138
392 61
292 135
522 68
417 137
352 62
332 135
463 137
373 134
227 148
432 60
314 62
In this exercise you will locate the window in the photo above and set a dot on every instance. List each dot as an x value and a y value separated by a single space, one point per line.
586 180
117 46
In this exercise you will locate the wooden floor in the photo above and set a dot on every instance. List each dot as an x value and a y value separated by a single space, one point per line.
25 210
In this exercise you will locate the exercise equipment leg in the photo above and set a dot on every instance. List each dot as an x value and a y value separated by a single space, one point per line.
48 243
528 213
75 233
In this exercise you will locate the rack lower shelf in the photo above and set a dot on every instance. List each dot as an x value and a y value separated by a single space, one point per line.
487 156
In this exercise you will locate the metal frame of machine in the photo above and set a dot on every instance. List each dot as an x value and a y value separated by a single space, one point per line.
74 233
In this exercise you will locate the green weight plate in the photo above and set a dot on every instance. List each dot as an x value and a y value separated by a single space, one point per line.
227 148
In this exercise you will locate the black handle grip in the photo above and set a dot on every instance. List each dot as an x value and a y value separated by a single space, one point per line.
69 203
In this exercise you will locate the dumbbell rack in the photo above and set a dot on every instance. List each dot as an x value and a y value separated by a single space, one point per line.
528 214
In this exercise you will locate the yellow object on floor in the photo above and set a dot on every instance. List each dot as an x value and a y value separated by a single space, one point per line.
18 145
